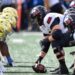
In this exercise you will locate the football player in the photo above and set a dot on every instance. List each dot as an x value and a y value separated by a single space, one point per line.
69 21
5 29
7 20
55 32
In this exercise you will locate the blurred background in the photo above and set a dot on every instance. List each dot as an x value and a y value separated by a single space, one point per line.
24 7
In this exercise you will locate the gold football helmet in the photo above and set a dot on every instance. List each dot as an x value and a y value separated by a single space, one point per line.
11 11
11 19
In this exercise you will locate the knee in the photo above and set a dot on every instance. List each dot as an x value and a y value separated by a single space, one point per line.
59 52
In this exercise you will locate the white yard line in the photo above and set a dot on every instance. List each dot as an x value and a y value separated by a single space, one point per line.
31 33
24 34
19 41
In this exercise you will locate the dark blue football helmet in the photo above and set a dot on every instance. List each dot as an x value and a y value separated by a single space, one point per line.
38 13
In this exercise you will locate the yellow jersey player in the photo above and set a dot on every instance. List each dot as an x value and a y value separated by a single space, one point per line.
5 29
8 21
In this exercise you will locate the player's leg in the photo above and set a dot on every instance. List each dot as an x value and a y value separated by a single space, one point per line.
5 53
74 65
60 55
2 68
74 68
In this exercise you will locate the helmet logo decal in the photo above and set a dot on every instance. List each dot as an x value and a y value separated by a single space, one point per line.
49 20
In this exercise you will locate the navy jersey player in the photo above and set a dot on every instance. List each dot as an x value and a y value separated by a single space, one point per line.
69 21
55 33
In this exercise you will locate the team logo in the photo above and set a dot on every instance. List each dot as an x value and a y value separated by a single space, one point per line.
49 20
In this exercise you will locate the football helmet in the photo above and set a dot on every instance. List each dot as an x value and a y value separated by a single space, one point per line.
69 19
72 4
11 10
37 14
11 19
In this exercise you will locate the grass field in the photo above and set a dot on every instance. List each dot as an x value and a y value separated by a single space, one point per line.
24 49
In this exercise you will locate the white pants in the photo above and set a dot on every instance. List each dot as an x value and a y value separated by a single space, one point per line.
2 69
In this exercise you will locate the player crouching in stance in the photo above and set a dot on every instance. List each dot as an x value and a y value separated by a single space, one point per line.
8 20
4 29
55 32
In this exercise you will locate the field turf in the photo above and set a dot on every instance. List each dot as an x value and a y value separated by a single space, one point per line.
24 48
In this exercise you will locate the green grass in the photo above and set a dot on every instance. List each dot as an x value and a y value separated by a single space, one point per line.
24 49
